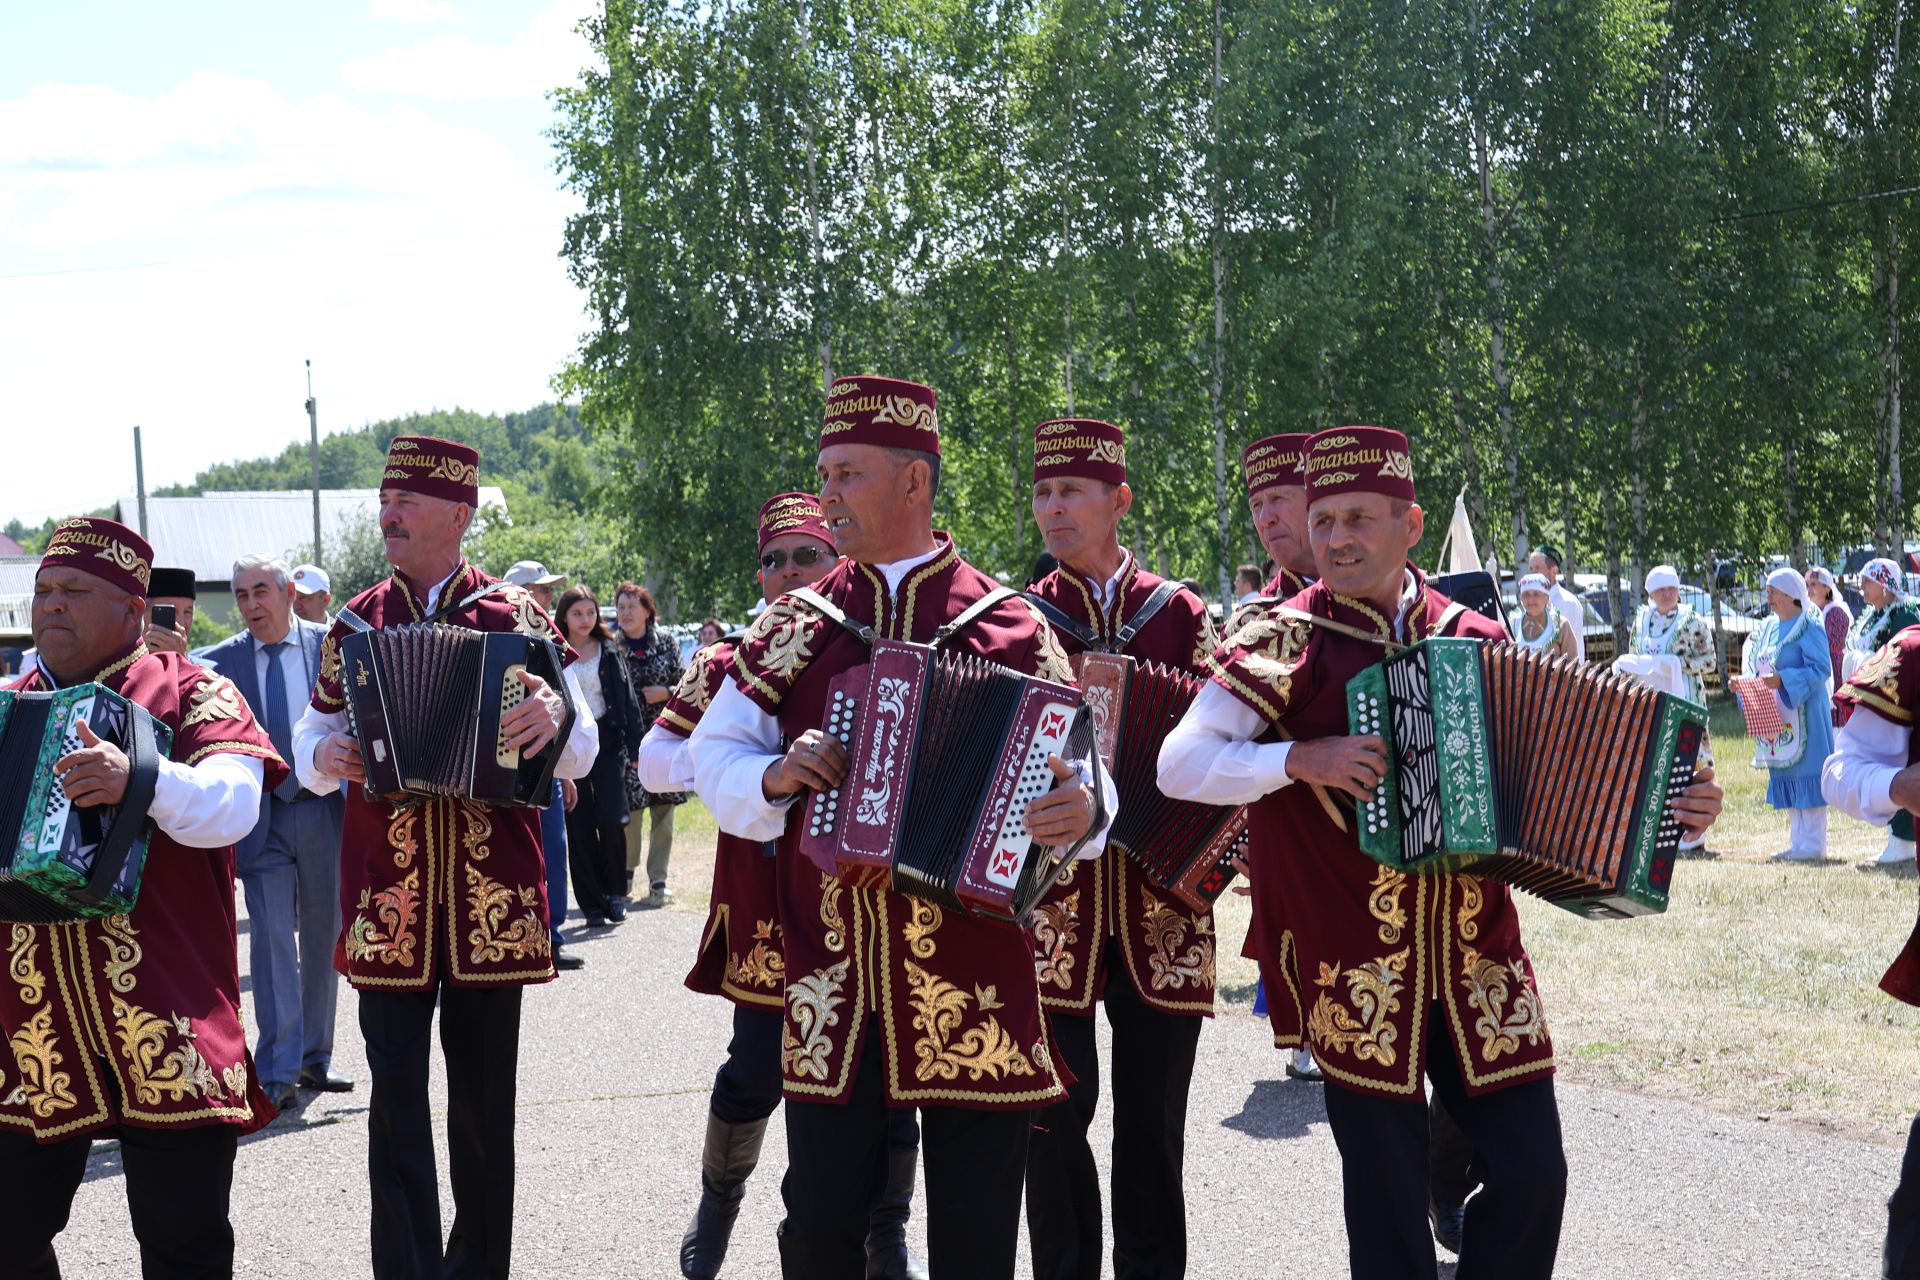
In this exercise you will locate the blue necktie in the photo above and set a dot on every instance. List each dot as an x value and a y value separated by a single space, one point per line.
278 730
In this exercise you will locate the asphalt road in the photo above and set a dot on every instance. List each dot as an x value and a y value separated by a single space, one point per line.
616 1061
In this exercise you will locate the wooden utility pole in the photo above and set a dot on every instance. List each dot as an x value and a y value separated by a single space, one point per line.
140 481
313 458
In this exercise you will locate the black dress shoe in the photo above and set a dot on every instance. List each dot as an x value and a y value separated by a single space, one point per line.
1449 1222
327 1081
616 912
568 960
284 1097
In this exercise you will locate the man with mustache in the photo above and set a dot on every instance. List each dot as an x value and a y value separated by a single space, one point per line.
445 900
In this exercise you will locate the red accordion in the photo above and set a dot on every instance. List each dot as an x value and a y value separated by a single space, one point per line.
1185 848
945 752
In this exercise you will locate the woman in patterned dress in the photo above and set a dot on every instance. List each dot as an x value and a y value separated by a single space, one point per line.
653 664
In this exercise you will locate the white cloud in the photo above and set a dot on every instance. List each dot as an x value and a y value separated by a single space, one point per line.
416 11
413 258
547 54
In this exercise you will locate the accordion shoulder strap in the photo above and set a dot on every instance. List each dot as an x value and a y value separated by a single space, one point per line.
832 613
1453 610
952 627
1057 618
1154 604
356 623
143 773
1328 624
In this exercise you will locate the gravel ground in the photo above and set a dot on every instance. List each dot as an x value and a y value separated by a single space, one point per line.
616 1060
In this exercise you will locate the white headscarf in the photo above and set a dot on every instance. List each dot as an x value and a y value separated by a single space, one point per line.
1886 573
1533 582
1788 582
1662 575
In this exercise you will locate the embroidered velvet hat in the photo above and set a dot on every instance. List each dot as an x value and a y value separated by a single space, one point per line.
889 412
786 513
435 467
104 548
1084 447
1358 460
1273 461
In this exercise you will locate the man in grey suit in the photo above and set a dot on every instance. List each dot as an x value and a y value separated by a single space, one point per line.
289 864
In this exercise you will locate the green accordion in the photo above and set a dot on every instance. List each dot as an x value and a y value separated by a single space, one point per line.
58 861
1547 774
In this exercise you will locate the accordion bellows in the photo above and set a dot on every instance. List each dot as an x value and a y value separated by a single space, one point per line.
1185 848
1542 772
425 702
945 752
60 862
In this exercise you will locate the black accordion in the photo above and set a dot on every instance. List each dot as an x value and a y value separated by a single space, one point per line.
1185 848
425 702
945 753
1542 772
61 862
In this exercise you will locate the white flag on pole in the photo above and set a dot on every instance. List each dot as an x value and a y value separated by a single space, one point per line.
1461 555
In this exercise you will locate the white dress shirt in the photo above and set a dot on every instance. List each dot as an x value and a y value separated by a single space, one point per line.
1857 778
666 762
736 743
208 805
294 671
1568 606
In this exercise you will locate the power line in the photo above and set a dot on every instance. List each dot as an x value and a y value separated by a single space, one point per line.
1814 204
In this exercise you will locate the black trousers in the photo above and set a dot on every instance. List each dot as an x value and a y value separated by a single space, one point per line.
480 1040
1901 1259
1449 1156
178 1184
1513 1225
596 857
747 1085
837 1167
1152 1066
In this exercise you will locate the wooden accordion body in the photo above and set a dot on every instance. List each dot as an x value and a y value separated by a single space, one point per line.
945 751
1542 772
425 702
60 862
1185 848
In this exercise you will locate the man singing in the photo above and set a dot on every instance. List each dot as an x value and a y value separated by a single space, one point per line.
129 1027
444 901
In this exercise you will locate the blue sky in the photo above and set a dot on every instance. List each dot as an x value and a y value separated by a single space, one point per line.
195 198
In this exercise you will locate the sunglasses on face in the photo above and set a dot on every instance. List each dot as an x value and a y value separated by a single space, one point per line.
802 556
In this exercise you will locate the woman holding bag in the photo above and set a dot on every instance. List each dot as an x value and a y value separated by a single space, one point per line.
1789 655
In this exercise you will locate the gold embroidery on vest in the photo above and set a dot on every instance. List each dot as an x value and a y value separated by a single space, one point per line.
1166 929
1490 985
477 828
985 1050
488 902
123 953
788 644
1055 930
1881 672
763 966
1374 990
400 837
329 668
1383 903
830 891
42 1089
157 1073
1470 900
23 967
215 699
811 1005
397 908
922 919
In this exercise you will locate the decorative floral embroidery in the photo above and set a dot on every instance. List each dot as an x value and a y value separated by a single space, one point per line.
329 669
1880 673
1271 648
400 837
788 644
158 1074
123 953
692 690
1055 930
763 966
985 1050
235 1078
42 1089
23 967
830 891
488 902
478 828
1490 985
1166 929
216 698
1054 663
1374 990
1383 903
812 1006
1470 901
922 919
397 909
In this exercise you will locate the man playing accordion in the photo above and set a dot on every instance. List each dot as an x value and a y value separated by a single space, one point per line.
1104 933
129 1026
1390 977
443 902
890 1000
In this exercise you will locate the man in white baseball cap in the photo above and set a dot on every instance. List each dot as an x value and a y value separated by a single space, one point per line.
533 575
312 593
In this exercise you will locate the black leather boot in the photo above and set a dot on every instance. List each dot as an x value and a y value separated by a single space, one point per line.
887 1255
731 1153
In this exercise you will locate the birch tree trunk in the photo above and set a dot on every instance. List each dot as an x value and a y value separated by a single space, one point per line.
1217 391
1497 312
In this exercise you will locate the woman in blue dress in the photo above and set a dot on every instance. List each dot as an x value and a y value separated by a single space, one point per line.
1790 655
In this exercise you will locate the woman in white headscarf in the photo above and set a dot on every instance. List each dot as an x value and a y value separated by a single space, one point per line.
1789 654
1538 626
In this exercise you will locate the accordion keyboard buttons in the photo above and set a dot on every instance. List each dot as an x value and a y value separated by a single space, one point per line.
1373 811
826 805
512 694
